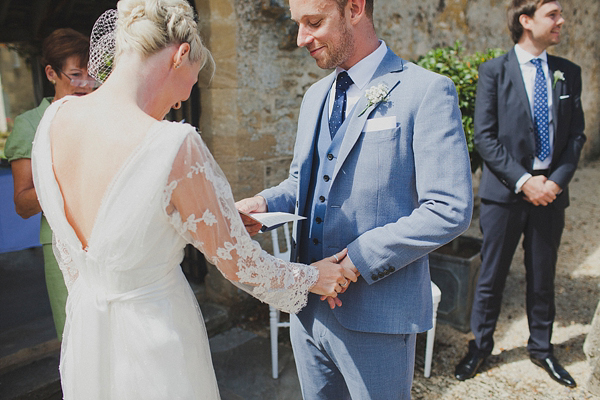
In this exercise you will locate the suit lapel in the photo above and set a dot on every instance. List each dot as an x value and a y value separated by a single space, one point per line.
556 90
388 74
516 77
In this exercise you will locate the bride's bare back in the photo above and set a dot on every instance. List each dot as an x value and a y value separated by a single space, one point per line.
91 141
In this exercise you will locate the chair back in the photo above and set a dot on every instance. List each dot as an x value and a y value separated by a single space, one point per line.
284 255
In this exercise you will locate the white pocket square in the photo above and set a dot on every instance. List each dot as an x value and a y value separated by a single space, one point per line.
566 96
380 124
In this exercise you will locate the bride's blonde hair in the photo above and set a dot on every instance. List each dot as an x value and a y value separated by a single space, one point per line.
147 26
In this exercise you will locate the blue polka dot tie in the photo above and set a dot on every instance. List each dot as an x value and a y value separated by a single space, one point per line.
540 112
339 105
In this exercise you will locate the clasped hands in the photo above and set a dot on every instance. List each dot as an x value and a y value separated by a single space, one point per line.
540 191
335 272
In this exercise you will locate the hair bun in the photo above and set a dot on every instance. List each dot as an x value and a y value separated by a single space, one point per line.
129 17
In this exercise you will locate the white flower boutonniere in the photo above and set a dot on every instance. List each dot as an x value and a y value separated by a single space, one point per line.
558 76
375 95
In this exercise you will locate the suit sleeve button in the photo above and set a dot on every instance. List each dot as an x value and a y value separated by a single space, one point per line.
392 269
381 274
374 277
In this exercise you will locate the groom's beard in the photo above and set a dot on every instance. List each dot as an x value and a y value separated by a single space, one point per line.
339 50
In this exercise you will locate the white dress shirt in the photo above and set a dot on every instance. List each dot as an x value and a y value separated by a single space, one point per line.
361 73
528 71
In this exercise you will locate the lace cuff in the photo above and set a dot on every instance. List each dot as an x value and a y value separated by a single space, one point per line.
200 205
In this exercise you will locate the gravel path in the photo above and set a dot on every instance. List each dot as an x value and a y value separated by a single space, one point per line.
508 373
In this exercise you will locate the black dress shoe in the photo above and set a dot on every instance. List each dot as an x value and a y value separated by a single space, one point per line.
555 370
468 366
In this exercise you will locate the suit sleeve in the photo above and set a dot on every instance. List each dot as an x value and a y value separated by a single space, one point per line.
564 168
495 154
442 189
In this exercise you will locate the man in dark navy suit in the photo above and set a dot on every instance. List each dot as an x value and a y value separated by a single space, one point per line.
529 130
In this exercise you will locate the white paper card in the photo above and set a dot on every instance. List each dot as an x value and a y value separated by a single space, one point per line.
273 219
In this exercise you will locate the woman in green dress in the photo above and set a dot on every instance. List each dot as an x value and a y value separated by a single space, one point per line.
65 55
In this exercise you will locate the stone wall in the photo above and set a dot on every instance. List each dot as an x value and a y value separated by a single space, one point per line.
250 108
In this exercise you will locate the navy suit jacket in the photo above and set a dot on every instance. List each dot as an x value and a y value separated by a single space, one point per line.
504 132
396 194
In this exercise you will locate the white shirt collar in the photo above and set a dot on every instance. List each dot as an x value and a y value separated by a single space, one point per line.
523 56
362 72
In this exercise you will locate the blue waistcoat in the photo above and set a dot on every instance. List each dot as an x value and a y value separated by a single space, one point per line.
325 157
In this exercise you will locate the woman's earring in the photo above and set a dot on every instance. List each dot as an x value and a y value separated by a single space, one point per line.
177 65
53 82
177 106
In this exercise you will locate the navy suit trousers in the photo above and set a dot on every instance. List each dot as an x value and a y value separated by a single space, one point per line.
502 226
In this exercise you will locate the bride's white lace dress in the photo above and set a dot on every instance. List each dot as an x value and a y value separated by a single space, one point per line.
134 329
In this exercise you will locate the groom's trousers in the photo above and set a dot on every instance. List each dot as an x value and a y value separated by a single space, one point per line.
335 363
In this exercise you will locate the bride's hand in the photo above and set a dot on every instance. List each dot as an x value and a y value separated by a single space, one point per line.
333 277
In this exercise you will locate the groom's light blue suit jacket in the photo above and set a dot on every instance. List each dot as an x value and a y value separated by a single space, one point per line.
396 194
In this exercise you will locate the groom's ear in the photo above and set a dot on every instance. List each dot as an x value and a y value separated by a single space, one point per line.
357 10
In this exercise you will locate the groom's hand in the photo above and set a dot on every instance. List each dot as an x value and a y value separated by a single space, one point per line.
351 273
251 205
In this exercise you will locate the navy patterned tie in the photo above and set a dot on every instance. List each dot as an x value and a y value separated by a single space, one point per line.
540 112
339 105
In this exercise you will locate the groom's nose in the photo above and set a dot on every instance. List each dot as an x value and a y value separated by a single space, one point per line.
304 38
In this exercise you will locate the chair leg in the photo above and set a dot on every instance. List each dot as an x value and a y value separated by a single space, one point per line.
430 341
274 321
429 350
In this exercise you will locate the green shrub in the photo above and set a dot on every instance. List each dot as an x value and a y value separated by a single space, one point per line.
463 70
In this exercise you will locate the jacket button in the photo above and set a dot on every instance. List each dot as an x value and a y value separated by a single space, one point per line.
386 272
322 199
330 156
392 269
374 277
326 178
318 220
381 274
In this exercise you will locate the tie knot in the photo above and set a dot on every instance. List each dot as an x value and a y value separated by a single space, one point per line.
537 62
343 81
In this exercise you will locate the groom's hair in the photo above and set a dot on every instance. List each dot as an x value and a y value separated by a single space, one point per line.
368 7
516 8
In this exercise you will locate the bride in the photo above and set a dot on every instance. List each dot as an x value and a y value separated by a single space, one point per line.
124 191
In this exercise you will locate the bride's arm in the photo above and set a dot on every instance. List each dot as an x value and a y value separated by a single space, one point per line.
199 203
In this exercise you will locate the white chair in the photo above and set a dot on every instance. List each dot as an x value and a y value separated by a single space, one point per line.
274 313
437 296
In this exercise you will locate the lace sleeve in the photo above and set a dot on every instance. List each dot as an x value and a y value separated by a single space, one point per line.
200 205
65 262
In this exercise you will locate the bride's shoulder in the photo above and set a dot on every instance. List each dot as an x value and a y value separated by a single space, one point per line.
181 129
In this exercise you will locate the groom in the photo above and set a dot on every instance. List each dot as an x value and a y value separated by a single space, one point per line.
381 168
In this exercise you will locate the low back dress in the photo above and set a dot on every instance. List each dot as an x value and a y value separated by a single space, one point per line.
134 329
